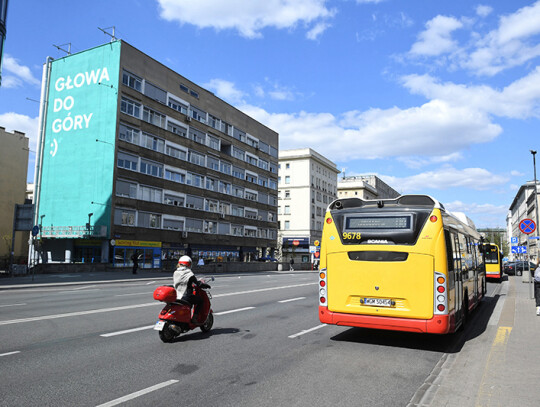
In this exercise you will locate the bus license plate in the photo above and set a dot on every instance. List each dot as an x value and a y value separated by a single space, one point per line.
159 325
378 302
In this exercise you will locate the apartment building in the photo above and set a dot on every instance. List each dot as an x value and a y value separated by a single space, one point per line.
523 207
365 187
307 184
136 158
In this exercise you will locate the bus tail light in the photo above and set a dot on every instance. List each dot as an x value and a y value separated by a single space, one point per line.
440 297
323 292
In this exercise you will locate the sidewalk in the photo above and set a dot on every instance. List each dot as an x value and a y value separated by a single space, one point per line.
500 367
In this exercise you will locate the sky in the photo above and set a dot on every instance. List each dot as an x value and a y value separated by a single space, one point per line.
434 97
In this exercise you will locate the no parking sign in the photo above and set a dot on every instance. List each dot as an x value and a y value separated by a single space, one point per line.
527 226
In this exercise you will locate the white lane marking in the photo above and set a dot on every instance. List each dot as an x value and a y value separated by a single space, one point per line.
292 299
233 310
137 394
84 288
127 295
150 282
10 353
306 331
127 331
12 305
262 289
75 314
73 291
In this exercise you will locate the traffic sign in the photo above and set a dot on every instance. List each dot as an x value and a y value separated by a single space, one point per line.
527 226
519 249
534 237
513 240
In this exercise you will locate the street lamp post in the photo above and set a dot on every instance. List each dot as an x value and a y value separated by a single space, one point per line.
533 152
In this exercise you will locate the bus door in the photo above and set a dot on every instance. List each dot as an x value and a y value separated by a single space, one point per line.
458 272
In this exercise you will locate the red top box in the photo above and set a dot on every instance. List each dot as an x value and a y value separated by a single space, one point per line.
165 293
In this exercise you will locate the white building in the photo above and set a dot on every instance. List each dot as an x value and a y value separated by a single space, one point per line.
307 183
365 187
523 207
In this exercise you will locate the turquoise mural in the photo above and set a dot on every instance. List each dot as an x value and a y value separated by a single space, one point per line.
78 149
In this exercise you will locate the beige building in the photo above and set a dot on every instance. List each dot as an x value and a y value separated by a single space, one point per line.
365 187
523 207
307 183
13 171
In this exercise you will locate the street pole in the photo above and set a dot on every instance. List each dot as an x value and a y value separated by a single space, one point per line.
533 152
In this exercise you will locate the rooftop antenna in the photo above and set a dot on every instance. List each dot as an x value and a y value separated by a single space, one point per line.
343 171
113 37
68 51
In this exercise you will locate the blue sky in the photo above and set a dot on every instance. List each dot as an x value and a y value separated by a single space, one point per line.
435 97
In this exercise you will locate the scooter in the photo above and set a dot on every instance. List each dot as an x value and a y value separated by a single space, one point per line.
176 317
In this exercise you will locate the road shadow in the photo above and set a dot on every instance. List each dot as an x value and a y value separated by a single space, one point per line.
449 343
198 335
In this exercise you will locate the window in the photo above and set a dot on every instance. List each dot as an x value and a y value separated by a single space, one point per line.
238 191
210 227
252 142
287 179
194 202
250 232
126 189
224 228
239 135
238 172
252 196
273 168
196 158
263 198
196 135
127 161
174 200
153 117
198 114
251 214
272 200
225 167
271 217
263 164
287 194
194 225
214 122
129 134
211 184
237 230
226 128
176 152
149 220
179 106
155 93
194 180
273 152
177 129
124 217
150 194
263 147
287 210
224 187
251 177
252 160
237 153
151 168
212 142
212 163
152 142
173 224
238 211
133 81
263 181
175 176
287 225
224 208
272 184
130 107
211 205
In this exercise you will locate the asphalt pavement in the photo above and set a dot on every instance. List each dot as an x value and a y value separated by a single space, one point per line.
498 364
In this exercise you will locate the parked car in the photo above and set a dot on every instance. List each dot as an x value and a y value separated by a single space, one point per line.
516 267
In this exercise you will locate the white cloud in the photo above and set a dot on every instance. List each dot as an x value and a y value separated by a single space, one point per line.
317 31
19 74
446 177
483 10
419 162
515 173
29 126
248 17
483 215
436 39
225 90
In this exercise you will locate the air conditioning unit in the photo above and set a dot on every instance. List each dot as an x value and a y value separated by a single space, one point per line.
259 217
188 119
184 234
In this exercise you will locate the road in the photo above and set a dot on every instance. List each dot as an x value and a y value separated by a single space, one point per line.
93 345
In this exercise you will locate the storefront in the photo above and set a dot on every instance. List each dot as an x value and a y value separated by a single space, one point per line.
148 253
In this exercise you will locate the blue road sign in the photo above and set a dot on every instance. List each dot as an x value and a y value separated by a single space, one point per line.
527 226
534 237
519 249
513 240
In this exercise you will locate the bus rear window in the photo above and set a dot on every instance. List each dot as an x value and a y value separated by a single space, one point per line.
378 223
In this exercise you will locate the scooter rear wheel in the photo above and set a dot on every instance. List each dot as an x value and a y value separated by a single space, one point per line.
208 323
167 334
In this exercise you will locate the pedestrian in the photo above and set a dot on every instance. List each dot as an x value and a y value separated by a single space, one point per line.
135 259
292 265
537 286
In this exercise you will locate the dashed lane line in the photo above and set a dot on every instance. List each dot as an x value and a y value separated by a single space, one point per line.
307 331
137 394
10 353
127 331
233 311
291 300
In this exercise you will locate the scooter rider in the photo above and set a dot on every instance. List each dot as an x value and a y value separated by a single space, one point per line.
183 280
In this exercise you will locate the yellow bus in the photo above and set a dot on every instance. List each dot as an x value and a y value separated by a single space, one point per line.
493 261
400 264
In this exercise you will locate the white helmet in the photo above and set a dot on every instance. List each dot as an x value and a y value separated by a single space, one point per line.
185 261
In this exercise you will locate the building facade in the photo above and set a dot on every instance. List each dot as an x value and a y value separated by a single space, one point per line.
307 184
136 159
13 172
523 207
365 187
